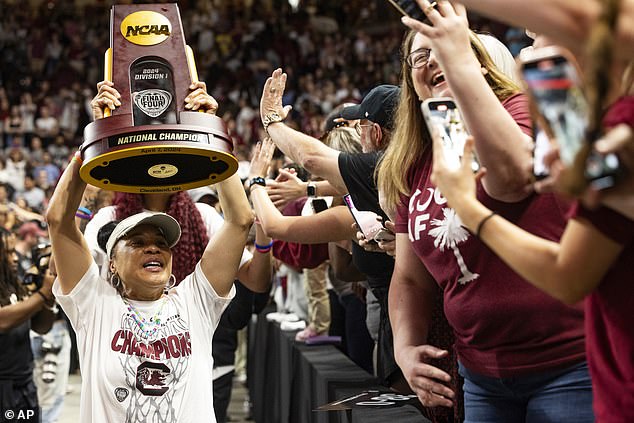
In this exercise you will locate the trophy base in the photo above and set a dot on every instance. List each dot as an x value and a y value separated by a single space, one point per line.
158 168
156 158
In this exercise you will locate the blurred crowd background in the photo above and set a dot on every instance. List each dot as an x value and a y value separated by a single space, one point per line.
53 52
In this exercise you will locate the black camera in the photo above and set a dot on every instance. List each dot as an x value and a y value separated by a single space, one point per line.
41 256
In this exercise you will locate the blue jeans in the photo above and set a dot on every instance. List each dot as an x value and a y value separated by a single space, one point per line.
558 397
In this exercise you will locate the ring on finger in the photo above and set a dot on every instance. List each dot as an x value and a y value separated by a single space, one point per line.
272 89
429 8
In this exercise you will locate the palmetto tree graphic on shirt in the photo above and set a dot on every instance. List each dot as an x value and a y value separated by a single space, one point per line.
448 233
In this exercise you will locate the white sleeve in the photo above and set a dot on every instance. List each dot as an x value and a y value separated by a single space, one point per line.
103 216
197 291
83 302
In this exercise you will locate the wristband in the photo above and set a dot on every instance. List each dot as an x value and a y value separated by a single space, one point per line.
83 213
482 222
263 248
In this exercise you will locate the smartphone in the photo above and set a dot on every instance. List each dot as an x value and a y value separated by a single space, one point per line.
367 221
554 86
443 115
318 204
410 8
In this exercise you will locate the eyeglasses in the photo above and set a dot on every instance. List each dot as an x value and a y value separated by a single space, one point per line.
418 58
358 127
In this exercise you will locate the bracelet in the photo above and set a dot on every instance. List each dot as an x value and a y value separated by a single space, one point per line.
263 248
482 222
270 119
83 215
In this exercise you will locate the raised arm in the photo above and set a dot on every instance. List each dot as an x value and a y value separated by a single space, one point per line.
256 273
334 223
501 145
221 258
566 22
37 308
70 251
319 159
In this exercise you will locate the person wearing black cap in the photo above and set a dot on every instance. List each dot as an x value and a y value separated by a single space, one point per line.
143 345
347 172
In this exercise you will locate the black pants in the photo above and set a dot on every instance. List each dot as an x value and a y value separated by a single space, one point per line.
387 370
359 343
18 397
222 396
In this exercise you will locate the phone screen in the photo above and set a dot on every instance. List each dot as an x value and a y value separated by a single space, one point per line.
444 116
319 204
555 87
366 221
554 84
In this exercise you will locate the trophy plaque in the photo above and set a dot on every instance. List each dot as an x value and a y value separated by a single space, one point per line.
151 143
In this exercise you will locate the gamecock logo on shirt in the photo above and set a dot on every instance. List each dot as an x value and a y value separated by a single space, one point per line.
150 378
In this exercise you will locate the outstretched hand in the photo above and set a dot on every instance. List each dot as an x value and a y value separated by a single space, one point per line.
619 140
448 33
261 159
286 187
271 101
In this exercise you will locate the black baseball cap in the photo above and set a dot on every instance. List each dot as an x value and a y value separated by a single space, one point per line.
377 106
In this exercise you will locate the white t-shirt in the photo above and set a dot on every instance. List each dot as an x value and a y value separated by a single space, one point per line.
211 219
129 376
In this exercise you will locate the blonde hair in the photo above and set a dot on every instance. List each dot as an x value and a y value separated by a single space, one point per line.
344 138
501 56
410 138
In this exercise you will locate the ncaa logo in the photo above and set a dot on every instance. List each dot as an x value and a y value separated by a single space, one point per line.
146 28
121 394
152 102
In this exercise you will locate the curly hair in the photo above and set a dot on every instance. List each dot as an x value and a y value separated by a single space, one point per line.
9 283
194 237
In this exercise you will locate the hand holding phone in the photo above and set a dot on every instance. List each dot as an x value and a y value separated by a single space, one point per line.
554 87
410 8
443 117
368 223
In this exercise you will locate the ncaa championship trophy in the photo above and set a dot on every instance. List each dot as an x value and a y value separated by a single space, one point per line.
151 144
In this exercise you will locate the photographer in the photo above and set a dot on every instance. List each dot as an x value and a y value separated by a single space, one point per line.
29 236
51 351
18 313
